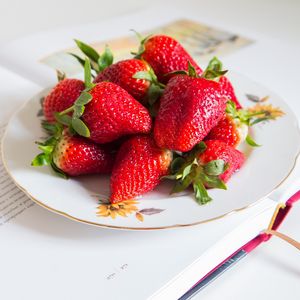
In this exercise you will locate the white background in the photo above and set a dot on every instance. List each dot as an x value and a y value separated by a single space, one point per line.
275 18
273 270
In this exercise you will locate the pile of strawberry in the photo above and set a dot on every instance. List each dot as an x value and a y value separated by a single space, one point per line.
157 115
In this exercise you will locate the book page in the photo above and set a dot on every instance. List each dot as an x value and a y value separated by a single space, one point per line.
203 41
13 201
15 90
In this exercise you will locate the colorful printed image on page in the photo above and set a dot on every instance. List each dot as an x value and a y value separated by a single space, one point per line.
200 40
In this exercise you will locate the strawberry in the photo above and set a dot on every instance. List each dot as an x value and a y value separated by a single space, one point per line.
215 71
165 55
122 73
228 91
216 150
208 165
133 75
105 112
62 96
229 130
139 166
233 128
189 108
113 113
73 155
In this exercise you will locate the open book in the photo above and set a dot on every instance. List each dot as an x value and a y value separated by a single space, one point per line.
51 257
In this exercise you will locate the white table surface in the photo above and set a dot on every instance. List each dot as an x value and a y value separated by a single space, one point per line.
273 270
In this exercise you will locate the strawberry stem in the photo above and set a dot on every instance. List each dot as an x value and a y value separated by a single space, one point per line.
155 89
48 147
190 72
75 123
142 41
66 111
98 62
60 75
214 70
251 115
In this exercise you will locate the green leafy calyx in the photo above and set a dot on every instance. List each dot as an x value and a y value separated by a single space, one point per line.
105 59
98 62
142 41
251 142
74 122
252 116
187 170
214 70
191 71
60 75
155 89
48 147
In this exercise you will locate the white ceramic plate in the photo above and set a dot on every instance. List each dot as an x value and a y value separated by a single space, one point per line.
265 169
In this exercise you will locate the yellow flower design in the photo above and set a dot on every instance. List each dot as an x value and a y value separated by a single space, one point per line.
112 210
267 111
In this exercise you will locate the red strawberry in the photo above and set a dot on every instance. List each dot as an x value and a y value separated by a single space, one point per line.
133 75
215 71
122 72
74 155
113 113
207 165
62 96
228 91
189 109
233 128
105 112
139 166
216 150
165 55
229 130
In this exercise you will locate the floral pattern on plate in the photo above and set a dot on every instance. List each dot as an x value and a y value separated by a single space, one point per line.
124 209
